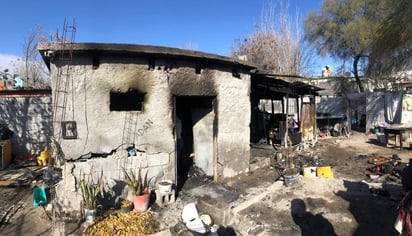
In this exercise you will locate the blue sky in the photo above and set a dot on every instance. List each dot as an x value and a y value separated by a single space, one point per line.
204 25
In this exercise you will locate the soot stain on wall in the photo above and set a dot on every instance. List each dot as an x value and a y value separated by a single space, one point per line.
136 79
186 82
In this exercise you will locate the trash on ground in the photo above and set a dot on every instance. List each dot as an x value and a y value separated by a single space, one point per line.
194 222
324 171
39 196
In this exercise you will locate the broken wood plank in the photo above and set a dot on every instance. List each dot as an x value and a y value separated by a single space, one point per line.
8 183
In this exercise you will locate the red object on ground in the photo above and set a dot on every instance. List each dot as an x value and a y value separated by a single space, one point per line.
29 158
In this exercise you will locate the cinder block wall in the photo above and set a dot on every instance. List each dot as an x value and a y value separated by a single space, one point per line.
30 118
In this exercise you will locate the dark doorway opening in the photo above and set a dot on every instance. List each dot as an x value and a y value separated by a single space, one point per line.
194 122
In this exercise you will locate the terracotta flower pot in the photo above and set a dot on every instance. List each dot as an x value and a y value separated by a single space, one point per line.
141 203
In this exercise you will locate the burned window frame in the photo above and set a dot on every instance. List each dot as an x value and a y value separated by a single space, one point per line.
132 100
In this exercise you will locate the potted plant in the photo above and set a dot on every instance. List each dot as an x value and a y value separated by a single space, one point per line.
91 196
139 186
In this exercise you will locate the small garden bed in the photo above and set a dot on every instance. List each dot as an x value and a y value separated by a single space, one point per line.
119 223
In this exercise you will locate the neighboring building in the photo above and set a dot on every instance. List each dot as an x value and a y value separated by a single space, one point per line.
27 113
335 86
340 97
128 106
280 99
403 81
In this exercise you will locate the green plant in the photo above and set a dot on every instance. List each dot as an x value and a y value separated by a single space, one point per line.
138 184
90 193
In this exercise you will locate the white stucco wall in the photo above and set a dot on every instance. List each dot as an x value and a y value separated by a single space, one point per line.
234 120
29 118
101 130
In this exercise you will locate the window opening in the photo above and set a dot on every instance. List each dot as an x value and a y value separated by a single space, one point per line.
129 101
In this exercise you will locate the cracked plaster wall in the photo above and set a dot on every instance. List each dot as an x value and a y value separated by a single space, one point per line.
234 119
101 130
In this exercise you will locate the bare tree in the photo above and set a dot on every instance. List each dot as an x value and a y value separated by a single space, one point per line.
277 42
33 72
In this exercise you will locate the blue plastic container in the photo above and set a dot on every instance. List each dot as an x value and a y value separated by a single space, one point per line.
39 196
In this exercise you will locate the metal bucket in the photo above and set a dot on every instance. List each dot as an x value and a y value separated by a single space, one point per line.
291 177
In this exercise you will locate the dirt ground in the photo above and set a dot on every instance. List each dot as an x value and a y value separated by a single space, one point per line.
349 204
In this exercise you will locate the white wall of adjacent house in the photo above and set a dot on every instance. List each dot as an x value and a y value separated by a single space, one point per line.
29 118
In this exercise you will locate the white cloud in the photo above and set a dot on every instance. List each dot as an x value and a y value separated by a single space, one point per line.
8 61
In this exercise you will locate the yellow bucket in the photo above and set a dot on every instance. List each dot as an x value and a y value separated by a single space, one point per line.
324 171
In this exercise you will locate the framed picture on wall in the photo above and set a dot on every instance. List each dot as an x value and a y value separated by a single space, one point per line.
69 130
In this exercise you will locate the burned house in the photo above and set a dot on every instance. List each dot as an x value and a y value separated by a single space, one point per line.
169 107
118 106
282 104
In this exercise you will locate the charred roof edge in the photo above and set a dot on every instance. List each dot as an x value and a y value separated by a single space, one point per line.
146 50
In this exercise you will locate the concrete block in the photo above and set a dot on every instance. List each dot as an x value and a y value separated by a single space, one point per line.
158 159
217 208
163 199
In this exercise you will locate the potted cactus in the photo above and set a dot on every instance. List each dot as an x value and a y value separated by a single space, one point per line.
139 186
